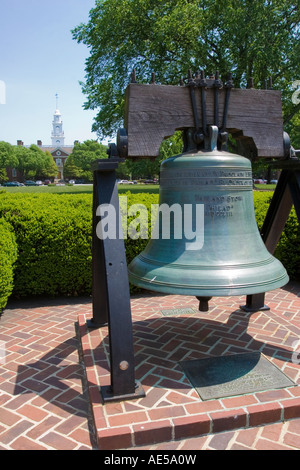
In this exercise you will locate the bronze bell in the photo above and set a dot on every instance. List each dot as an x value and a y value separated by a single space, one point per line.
221 252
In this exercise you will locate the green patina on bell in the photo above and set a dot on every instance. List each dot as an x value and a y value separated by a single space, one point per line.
227 256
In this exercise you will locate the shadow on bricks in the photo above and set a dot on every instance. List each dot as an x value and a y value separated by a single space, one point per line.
166 341
48 375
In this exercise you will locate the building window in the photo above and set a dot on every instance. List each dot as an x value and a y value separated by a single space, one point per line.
58 161
14 172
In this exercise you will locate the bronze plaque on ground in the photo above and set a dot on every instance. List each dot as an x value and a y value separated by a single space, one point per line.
237 374
177 311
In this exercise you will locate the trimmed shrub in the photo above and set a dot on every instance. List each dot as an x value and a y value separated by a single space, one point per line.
54 237
8 256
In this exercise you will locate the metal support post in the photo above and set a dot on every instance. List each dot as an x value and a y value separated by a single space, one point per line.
287 193
111 297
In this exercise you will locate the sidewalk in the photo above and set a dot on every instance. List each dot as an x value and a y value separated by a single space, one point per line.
53 366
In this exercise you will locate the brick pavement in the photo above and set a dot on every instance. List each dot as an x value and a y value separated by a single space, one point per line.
49 386
44 402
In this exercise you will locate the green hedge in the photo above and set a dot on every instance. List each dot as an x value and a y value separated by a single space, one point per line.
54 238
8 256
53 234
288 248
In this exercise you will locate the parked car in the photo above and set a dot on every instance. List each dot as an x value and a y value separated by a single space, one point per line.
72 182
47 182
30 183
12 183
274 181
149 182
125 182
39 183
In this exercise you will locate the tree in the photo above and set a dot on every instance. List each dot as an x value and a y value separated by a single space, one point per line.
27 161
292 121
82 156
47 167
44 166
7 159
132 169
71 171
295 131
145 168
251 38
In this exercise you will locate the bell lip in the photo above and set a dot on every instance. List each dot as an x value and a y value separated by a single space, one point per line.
153 262
210 291
219 283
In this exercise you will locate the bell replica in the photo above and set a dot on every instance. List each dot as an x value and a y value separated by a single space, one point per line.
206 241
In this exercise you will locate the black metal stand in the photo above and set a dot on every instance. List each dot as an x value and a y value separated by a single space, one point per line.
255 303
111 297
287 193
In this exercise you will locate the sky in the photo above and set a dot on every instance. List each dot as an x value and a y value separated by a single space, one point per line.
39 59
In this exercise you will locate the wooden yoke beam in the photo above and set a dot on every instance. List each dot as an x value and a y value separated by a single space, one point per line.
155 112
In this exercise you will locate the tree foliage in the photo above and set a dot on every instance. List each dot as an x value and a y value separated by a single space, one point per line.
145 168
71 171
31 161
78 164
47 167
27 161
7 158
251 38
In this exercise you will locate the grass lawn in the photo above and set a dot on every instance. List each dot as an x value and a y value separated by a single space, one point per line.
138 188
265 187
80 189
88 188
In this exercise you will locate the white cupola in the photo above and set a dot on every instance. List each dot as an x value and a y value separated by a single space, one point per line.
57 135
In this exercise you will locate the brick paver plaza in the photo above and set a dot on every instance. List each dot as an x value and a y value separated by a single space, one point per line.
52 367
